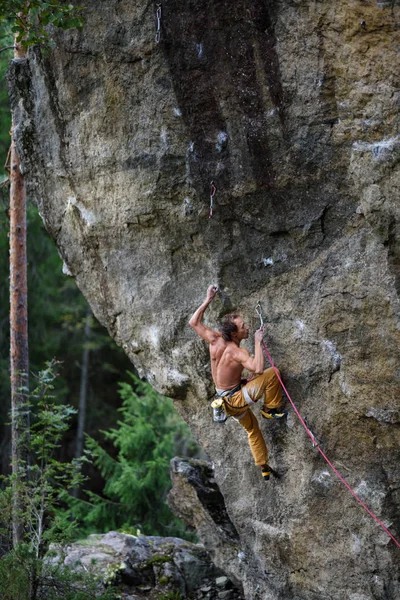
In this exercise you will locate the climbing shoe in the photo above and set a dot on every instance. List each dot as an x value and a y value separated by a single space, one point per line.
266 472
273 413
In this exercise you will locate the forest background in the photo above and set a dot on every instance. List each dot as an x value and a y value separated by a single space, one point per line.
132 432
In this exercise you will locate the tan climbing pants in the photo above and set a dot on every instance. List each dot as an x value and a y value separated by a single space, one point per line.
265 386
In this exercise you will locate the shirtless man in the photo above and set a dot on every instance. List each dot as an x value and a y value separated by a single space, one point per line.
228 360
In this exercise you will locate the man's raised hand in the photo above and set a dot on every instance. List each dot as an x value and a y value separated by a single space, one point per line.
207 334
212 292
259 334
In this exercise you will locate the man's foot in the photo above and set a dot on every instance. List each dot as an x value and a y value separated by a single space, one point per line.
267 470
273 413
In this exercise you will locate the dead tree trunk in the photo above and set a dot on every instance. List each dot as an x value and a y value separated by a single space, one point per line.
80 436
18 328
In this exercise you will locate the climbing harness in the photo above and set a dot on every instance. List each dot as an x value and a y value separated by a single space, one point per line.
158 17
315 442
213 189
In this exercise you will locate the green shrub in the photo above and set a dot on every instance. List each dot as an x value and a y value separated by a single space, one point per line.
136 479
29 21
29 570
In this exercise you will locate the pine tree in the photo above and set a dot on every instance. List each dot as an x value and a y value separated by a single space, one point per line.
137 480
29 24
19 358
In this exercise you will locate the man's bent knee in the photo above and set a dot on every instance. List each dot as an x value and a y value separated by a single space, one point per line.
272 371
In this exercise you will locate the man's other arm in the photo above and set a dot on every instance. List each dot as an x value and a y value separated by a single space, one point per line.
207 334
254 364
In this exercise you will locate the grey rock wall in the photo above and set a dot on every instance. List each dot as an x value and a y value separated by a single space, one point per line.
292 108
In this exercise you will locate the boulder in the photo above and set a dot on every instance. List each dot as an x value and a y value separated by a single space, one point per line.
149 566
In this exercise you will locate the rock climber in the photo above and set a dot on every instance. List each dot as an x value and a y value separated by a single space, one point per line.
228 360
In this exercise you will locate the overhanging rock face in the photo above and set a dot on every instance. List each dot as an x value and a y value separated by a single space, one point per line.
196 499
292 109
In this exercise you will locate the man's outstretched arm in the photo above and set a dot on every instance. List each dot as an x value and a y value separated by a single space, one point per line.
209 335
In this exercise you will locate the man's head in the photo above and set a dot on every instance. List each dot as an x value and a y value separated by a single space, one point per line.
233 328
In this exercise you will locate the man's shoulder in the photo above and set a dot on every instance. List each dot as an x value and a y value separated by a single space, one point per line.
234 350
217 338
239 353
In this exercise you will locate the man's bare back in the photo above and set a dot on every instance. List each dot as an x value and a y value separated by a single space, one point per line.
225 367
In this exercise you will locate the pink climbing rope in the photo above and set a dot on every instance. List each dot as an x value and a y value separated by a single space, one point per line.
316 445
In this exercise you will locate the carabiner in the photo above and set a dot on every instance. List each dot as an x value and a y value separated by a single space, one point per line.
259 313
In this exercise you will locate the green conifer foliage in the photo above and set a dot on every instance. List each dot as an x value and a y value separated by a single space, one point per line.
5 114
31 569
57 313
147 436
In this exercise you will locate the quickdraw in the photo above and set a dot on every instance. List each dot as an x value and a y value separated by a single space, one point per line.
213 189
158 17
259 312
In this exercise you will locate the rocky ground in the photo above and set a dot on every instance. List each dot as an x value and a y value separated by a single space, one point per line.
151 568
